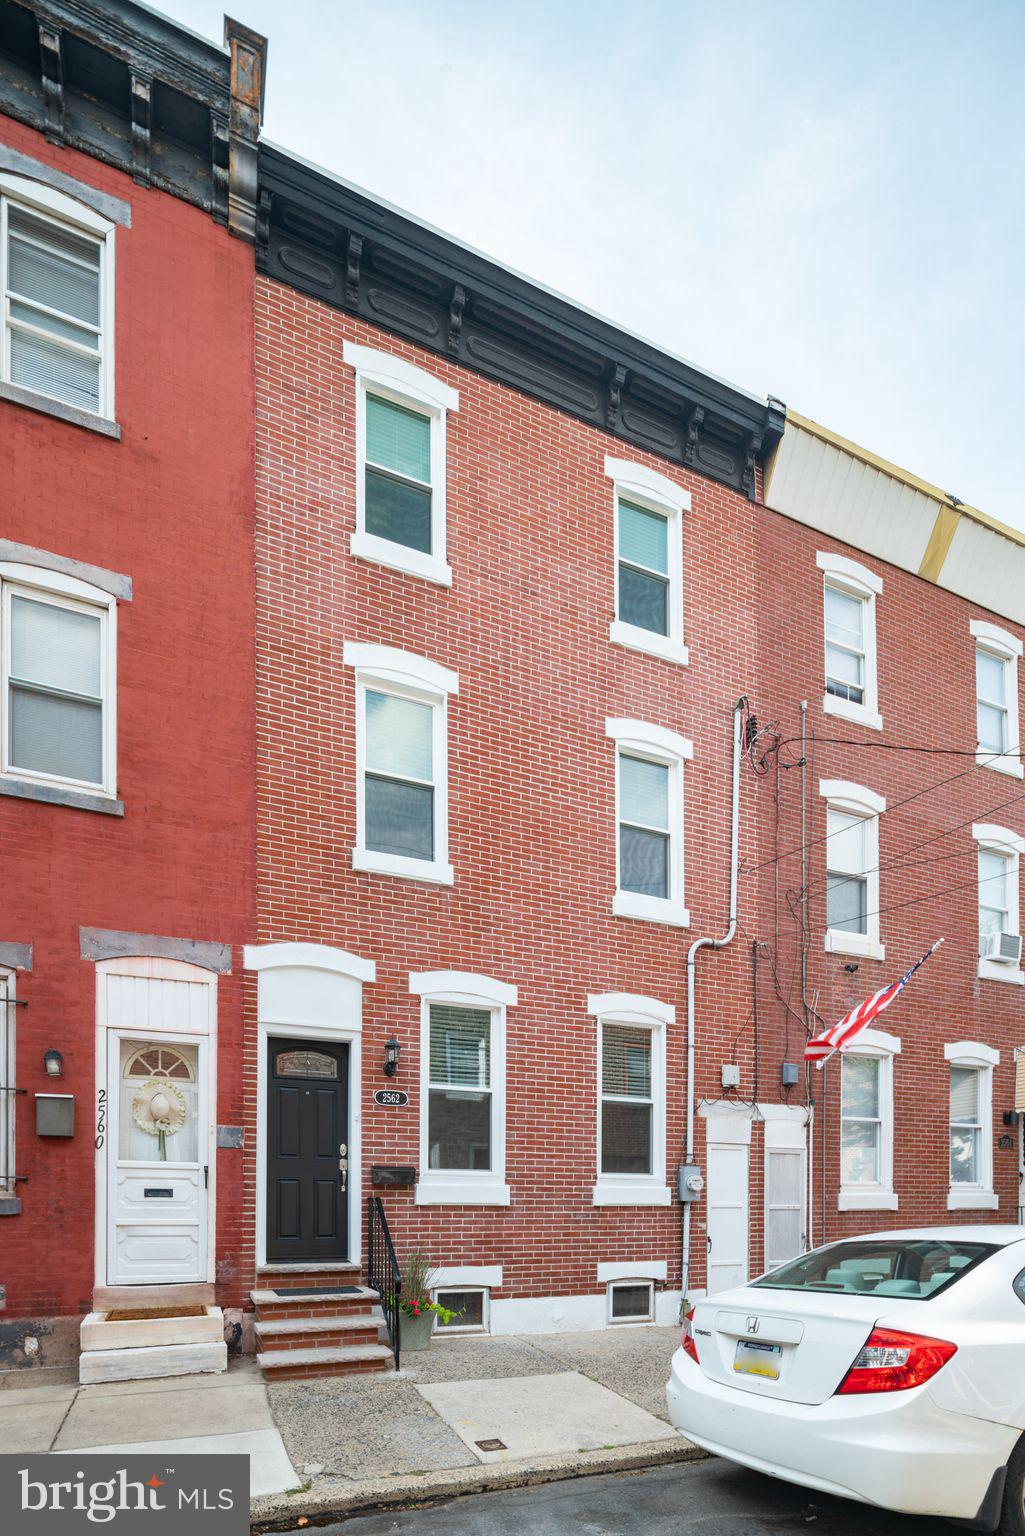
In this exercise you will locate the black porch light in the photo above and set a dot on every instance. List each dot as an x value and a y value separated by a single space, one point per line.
53 1061
391 1056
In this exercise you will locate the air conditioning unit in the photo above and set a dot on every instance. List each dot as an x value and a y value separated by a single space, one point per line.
1005 948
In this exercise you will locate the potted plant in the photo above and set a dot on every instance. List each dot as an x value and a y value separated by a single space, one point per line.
417 1310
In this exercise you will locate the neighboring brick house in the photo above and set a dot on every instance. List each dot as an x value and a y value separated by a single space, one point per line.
126 786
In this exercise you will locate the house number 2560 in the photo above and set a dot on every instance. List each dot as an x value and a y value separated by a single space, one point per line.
101 1117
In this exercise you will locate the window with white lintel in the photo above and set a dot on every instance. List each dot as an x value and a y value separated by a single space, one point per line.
971 1125
849 614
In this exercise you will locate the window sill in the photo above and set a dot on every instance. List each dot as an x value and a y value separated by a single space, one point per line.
61 409
456 1191
405 869
994 970
644 1192
646 640
972 1200
650 909
858 714
10 1205
867 1200
854 944
1006 763
57 794
367 546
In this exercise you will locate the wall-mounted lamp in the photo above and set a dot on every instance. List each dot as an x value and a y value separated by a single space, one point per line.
53 1061
1012 1116
391 1056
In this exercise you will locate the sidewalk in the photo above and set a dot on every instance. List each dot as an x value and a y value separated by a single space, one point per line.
208 1414
476 1413
465 1415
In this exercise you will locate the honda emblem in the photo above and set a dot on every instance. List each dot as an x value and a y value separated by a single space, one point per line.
752 1325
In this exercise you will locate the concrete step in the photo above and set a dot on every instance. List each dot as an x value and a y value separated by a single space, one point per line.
271 1306
329 1330
271 1275
107 1297
99 1331
288 1364
151 1360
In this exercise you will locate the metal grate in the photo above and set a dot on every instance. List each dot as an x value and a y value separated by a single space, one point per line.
8 1091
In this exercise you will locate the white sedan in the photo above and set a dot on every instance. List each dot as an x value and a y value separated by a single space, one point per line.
888 1368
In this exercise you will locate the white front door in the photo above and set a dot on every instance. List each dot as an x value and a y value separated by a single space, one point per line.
157 1153
727 1202
785 1178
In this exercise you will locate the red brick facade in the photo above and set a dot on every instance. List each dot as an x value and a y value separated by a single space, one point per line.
169 506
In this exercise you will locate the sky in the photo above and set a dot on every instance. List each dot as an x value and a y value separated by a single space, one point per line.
822 200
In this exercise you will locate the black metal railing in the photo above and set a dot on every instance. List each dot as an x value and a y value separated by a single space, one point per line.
383 1273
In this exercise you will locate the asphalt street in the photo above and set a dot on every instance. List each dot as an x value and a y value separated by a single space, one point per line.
709 1498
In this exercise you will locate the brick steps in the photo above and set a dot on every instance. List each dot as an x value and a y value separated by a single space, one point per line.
348 1360
323 1334
328 1331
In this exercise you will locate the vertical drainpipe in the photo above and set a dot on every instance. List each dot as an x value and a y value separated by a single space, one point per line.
708 943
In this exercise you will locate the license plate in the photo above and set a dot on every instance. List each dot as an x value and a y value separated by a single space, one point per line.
758 1359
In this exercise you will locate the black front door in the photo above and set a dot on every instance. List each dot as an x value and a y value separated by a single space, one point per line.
307 1136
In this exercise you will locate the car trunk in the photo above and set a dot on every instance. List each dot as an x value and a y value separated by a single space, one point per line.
793 1345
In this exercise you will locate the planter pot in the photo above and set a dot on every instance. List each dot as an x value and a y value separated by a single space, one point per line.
416 1331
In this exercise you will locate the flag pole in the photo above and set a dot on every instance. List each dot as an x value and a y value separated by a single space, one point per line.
820 1064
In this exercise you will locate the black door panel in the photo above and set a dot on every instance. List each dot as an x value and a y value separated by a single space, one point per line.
307 1122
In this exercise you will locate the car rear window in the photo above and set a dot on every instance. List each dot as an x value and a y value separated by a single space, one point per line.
915 1270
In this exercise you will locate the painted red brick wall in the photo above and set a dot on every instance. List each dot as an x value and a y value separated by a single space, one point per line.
532 836
170 506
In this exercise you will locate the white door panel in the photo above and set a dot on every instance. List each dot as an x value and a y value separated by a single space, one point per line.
784 1204
157 1255
727 1215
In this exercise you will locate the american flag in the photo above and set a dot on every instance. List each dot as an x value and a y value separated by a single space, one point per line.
840 1036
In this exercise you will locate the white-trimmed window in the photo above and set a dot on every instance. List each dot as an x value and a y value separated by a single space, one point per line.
849 608
57 290
649 821
1000 852
630 1301
401 763
971 1125
8 1099
998 743
631 1052
866 1123
58 637
852 868
462 1087
401 414
471 1306
648 511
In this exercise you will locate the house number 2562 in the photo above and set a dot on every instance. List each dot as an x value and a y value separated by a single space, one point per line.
101 1117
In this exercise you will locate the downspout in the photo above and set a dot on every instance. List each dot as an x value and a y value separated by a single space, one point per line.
692 953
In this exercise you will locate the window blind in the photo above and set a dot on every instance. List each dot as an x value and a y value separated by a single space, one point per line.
460 1048
626 1061
964 1095
643 538
398 439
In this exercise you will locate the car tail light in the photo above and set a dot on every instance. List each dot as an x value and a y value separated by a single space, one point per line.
892 1362
687 1336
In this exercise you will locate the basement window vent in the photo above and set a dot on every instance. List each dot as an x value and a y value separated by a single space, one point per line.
471 1308
631 1301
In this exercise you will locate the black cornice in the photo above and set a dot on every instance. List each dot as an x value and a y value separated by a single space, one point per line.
137 91
336 244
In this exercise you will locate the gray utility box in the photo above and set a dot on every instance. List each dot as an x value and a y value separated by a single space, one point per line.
55 1114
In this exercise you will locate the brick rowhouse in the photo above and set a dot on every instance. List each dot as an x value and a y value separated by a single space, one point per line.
134 876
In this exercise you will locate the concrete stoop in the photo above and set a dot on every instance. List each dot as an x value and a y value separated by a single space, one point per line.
316 1320
160 1335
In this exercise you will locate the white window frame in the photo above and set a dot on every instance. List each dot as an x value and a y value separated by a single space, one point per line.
629 1322
1006 648
460 1330
653 492
638 1013
981 1058
655 744
8 1075
855 800
54 587
854 580
384 670
879 1196
56 207
1002 840
392 378
462 989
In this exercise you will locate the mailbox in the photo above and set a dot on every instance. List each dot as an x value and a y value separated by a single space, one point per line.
55 1114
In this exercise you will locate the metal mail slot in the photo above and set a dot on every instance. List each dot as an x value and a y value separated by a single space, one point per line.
402 1178
158 1194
